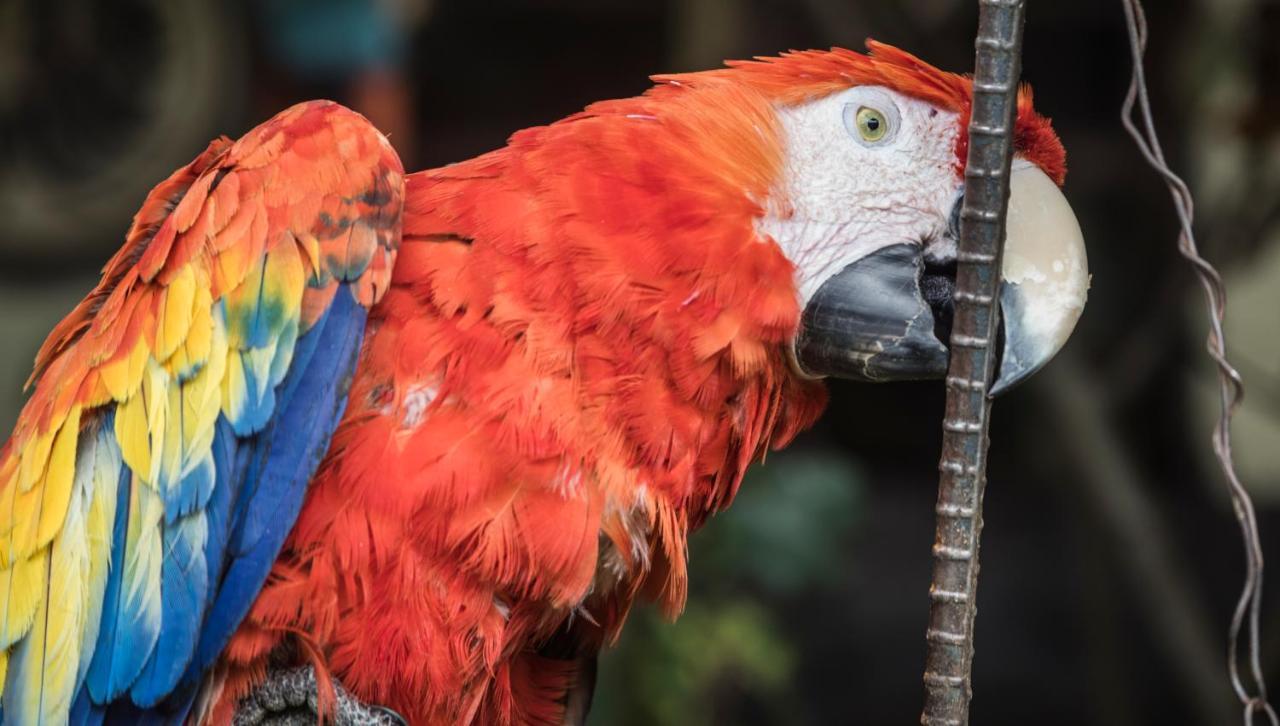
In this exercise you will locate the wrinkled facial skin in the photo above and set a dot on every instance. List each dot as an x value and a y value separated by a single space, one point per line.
842 197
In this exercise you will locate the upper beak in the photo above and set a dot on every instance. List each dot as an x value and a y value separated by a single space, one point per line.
884 317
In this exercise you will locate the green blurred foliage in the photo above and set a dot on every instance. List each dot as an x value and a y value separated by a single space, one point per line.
730 658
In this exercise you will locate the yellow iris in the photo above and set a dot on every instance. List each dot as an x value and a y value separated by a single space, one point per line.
872 125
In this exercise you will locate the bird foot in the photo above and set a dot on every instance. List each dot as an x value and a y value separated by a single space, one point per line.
288 698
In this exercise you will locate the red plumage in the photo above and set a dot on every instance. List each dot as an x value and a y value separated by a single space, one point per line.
582 350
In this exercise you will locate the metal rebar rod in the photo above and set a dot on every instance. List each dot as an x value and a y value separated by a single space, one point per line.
949 639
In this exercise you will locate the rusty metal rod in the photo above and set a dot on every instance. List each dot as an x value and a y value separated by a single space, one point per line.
963 466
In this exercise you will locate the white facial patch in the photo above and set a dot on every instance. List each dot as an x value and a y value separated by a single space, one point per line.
851 186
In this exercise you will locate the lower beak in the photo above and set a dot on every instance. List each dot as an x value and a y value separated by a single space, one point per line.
884 317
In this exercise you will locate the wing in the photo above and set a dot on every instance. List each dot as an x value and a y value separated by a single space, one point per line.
180 410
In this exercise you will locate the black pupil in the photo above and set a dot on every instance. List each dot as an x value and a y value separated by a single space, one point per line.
873 123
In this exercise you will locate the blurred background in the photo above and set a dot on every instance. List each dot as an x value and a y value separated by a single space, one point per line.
1111 560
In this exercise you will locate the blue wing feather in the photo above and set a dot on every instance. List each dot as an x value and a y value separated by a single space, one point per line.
230 462
184 585
305 350
191 493
84 712
284 456
231 459
98 679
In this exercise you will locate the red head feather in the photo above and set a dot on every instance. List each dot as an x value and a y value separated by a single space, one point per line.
801 76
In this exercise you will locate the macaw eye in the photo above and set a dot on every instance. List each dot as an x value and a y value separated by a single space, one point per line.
871 117
872 125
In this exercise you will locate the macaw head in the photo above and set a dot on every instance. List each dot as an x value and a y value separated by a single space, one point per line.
864 201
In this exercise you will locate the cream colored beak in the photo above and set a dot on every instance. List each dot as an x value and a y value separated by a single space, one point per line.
1045 271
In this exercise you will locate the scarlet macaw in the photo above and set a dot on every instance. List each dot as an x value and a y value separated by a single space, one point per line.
434 435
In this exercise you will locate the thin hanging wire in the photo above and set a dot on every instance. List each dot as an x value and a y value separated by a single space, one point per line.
1230 385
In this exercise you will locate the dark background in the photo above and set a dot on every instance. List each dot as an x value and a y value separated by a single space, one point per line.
1111 560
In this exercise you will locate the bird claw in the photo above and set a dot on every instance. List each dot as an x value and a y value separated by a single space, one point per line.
288 698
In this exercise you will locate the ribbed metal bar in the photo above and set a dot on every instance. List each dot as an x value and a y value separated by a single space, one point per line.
963 465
